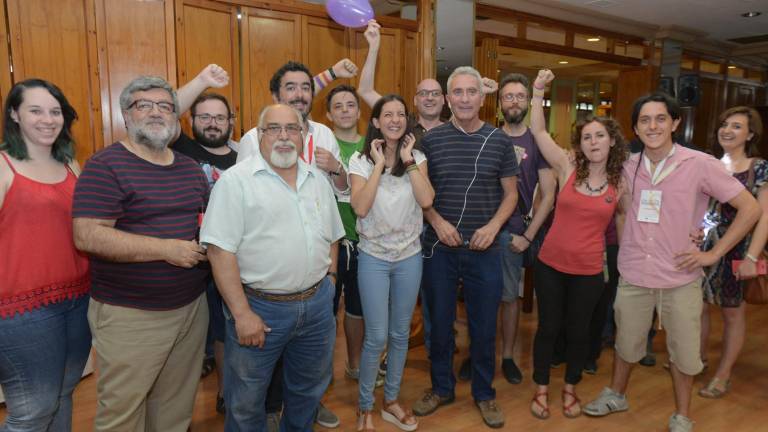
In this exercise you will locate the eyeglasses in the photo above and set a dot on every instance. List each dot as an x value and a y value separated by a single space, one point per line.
144 105
426 93
291 130
509 97
207 118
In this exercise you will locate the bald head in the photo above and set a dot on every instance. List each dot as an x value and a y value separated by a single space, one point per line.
429 99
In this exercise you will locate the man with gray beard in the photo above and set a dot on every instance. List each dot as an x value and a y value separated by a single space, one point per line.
273 273
135 211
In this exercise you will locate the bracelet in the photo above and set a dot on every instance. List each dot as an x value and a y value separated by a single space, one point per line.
538 93
413 167
526 238
330 71
751 258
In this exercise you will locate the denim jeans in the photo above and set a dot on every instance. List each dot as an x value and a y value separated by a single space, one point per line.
481 272
388 292
42 356
304 333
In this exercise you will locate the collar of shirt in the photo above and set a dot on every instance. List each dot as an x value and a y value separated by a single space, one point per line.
258 164
659 173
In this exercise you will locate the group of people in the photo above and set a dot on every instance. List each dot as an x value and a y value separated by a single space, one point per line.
164 238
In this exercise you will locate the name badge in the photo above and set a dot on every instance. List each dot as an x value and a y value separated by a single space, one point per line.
650 206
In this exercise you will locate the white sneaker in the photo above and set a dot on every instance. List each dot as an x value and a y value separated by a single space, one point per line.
608 402
680 423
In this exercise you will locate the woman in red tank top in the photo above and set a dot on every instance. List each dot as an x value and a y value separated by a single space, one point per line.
568 275
44 281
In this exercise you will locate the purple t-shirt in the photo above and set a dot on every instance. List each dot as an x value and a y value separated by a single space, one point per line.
530 161
146 199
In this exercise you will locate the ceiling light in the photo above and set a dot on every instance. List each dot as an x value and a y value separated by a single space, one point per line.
731 67
563 62
751 14
593 39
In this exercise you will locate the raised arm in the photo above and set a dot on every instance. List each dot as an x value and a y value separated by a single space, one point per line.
212 76
344 68
367 76
554 155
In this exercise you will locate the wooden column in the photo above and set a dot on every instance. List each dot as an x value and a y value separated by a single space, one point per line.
425 17
487 63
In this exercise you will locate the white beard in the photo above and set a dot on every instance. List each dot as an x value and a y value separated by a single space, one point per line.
283 159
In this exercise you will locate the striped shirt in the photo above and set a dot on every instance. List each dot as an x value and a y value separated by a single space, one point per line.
145 199
467 165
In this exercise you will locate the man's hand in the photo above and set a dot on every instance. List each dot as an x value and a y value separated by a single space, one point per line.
483 237
325 160
214 76
447 233
489 85
251 330
518 244
373 34
184 253
543 79
345 69
694 259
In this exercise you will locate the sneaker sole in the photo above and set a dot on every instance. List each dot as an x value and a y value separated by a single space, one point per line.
586 411
328 425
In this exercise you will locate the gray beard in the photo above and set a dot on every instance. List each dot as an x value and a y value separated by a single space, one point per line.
154 141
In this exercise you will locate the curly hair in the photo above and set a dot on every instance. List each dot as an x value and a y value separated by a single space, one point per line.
616 156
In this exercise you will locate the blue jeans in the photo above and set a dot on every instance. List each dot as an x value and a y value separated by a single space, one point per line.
304 333
388 292
42 356
481 272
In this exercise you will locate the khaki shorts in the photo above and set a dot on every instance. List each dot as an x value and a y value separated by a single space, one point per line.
679 312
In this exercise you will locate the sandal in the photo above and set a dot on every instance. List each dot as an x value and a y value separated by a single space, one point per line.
407 421
713 389
544 413
362 420
567 408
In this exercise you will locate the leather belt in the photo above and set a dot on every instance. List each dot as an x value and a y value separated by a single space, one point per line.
297 296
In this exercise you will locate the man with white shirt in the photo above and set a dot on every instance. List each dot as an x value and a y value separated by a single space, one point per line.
272 271
293 85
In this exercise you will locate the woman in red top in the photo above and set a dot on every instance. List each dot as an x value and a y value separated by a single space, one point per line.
568 275
44 282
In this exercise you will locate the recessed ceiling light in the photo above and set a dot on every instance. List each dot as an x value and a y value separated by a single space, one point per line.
563 62
593 39
731 67
751 14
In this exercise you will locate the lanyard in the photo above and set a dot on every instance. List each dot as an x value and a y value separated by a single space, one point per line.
311 148
659 174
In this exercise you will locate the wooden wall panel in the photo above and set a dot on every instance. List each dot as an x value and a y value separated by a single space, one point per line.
269 39
706 113
135 38
632 84
411 67
207 33
323 44
50 41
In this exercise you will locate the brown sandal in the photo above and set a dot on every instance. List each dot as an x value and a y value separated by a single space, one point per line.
362 420
567 408
544 414
407 421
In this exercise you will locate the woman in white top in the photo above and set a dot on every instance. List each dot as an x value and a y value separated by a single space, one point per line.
390 186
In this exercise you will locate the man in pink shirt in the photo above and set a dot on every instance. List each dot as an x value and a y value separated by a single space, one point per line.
667 191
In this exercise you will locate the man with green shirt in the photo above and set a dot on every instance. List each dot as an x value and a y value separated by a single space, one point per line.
343 108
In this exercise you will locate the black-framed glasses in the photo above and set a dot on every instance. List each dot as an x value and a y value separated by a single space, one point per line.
275 130
509 97
426 93
220 119
144 106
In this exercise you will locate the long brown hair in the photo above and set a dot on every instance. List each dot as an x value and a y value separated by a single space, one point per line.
398 169
616 155
755 123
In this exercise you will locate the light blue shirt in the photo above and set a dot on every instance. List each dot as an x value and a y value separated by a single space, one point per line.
281 237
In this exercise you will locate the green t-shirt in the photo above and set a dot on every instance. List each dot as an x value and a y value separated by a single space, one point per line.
348 217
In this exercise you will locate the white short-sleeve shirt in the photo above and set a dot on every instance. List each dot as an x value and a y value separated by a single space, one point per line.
280 236
392 227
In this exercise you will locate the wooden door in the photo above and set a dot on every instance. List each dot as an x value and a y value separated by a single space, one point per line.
206 32
135 38
631 84
269 40
50 40
562 112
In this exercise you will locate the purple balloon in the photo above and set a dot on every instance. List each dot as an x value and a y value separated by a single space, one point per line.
350 13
